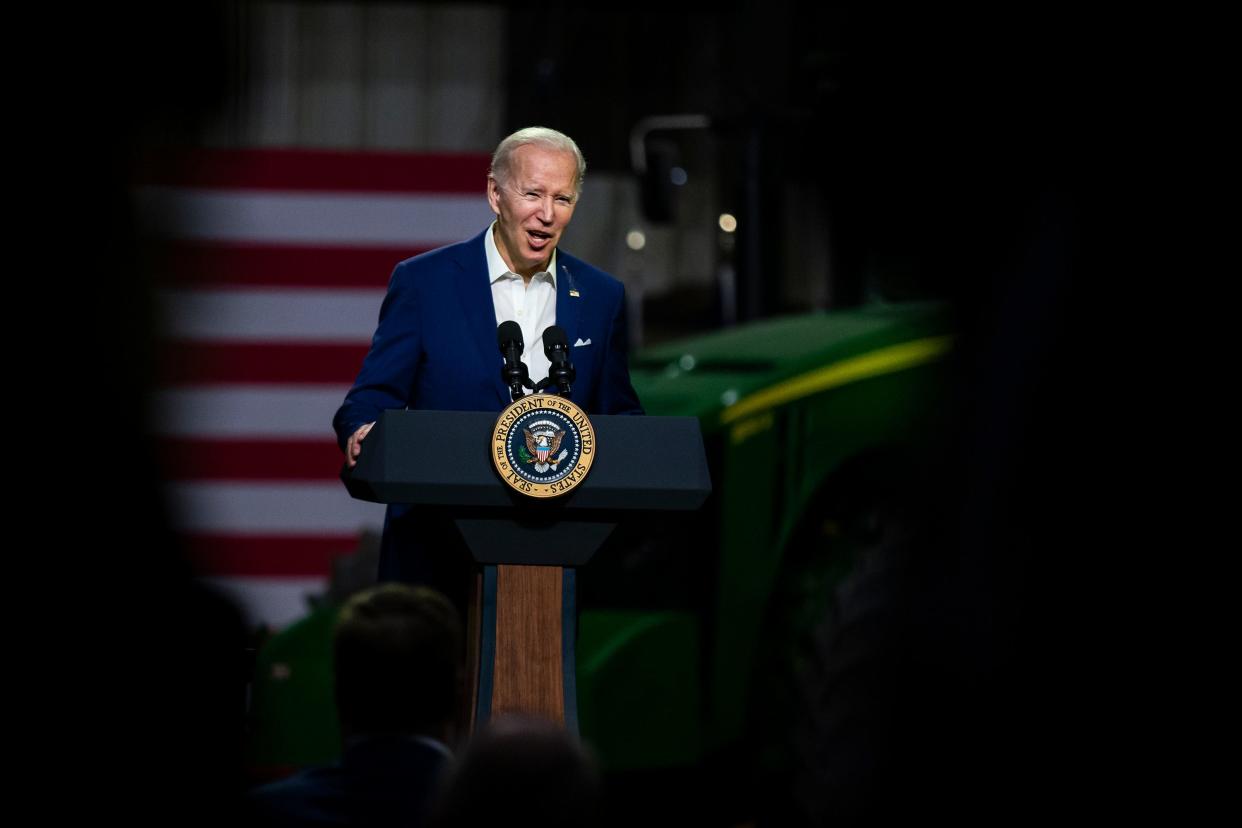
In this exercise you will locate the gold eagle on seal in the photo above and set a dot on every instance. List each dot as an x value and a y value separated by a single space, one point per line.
543 445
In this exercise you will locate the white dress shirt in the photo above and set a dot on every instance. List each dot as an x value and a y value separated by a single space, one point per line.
532 306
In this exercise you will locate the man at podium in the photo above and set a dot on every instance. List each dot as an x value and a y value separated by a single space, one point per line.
435 347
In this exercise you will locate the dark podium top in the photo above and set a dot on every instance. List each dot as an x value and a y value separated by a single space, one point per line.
442 458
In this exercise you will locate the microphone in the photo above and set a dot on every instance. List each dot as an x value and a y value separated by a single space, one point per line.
556 347
514 374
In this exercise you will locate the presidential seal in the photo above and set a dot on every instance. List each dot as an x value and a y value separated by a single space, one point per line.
543 445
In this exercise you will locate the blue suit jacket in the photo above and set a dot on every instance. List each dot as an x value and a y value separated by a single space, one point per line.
435 348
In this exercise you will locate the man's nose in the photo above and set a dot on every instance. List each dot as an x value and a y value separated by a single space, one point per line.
546 210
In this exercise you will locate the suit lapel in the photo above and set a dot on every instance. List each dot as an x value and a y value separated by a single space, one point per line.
475 295
568 300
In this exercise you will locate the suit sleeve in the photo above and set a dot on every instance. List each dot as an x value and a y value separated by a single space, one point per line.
391 366
616 391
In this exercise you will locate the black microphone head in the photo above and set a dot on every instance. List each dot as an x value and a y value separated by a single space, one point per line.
510 333
554 338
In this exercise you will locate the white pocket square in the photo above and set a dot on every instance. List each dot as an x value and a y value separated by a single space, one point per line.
582 342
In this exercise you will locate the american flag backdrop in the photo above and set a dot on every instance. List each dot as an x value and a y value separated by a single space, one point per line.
278 264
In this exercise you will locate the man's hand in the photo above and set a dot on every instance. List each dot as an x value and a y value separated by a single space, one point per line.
354 447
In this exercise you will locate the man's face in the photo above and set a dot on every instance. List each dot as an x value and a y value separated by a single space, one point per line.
533 206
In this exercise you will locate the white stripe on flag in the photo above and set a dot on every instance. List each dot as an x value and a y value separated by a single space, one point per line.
270 508
313 218
276 602
341 316
286 411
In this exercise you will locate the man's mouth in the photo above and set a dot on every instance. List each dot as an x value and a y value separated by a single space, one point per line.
538 238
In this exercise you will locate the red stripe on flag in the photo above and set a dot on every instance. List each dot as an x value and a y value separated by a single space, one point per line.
251 459
276 362
320 170
268 555
191 264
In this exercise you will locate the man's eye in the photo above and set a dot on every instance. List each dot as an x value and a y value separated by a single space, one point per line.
564 200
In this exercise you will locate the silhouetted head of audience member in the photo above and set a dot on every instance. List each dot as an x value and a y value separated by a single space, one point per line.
398 663
521 771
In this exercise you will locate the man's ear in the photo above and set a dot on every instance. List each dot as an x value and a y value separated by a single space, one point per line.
493 194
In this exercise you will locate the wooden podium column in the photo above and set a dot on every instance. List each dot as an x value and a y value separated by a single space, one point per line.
529 674
526 660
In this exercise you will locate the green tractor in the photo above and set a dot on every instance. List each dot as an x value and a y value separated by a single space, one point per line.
692 635
690 630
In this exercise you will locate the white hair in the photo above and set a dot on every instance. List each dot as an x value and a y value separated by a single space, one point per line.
539 137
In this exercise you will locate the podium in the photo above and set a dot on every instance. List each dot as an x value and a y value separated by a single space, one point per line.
522 619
